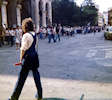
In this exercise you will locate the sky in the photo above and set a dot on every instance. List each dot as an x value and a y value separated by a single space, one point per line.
103 4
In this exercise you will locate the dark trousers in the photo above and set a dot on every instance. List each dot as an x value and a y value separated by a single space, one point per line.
58 36
21 80
51 36
0 41
12 40
7 38
41 35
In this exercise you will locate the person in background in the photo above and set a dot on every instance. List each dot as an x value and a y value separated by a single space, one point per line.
37 30
94 29
12 35
41 33
1 36
67 32
58 31
51 35
62 31
7 37
44 32
18 36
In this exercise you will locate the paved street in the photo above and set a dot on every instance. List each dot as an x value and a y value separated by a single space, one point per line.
77 68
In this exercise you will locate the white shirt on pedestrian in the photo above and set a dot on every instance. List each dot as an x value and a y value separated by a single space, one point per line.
43 30
11 32
27 41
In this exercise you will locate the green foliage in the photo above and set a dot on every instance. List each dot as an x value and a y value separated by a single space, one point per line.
68 13
90 14
63 12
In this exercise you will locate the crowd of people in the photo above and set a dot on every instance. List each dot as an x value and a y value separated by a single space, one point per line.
14 35
11 36
55 32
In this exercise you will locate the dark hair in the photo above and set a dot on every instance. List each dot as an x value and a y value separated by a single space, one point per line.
10 28
27 25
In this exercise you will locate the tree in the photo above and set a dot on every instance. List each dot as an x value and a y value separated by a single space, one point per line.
64 12
89 2
90 13
68 13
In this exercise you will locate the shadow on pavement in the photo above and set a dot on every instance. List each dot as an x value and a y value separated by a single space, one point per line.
53 99
66 61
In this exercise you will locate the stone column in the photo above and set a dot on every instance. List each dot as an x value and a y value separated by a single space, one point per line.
4 13
50 13
33 6
0 16
19 14
44 15
37 13
12 13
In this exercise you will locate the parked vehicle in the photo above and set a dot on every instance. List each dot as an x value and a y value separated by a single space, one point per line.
108 33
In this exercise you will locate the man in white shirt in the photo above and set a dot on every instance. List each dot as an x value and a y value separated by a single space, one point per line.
12 35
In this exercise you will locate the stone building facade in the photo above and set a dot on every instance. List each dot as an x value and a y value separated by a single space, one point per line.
100 20
110 16
105 16
13 11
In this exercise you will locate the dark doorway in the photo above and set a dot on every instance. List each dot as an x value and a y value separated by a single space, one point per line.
47 14
40 13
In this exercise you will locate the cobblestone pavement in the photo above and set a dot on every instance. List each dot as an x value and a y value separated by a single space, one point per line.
77 68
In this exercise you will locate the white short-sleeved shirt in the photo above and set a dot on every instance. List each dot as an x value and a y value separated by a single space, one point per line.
48 30
11 32
27 41
44 30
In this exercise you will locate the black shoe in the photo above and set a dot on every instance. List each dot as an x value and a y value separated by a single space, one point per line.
9 99
36 98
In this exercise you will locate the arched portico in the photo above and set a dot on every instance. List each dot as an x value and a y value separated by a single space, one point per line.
40 12
47 14
3 12
13 11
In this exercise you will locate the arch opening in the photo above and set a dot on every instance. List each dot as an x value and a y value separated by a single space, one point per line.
40 12
47 14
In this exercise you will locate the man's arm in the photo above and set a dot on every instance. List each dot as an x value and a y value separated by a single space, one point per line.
2 34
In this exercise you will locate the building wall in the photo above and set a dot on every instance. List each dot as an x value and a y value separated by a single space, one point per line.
3 12
34 12
0 16
37 16
13 11
110 17
105 15
100 20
